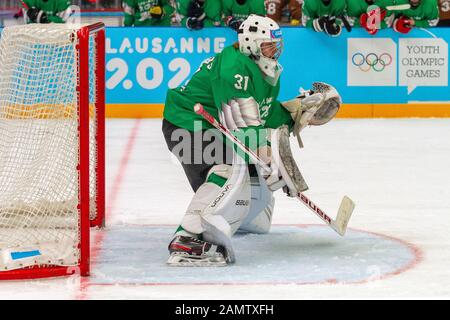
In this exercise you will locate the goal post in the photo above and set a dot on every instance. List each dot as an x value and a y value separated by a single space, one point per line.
52 148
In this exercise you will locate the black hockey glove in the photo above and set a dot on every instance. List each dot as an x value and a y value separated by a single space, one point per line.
346 23
37 15
194 24
195 9
332 28
234 23
319 24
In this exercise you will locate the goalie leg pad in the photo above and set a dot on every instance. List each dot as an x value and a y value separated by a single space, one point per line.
259 218
221 204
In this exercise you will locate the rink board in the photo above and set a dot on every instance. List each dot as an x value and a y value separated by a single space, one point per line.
289 254
387 75
416 110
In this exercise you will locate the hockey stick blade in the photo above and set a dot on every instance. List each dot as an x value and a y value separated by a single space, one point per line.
343 216
24 5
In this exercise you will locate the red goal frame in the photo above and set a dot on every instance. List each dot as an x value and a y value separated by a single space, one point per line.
82 47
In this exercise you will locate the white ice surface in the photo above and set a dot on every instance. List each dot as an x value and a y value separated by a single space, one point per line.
303 254
397 172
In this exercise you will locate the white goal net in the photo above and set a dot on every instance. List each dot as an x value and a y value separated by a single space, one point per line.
40 145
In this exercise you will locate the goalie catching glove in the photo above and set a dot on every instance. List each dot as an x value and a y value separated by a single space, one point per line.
315 107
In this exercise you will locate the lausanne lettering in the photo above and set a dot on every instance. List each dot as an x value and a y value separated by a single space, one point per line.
144 45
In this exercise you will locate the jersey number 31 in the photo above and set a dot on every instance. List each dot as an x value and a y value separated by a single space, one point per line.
239 79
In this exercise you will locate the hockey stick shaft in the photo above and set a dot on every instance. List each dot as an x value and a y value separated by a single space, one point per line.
198 108
346 23
399 7
24 4
339 225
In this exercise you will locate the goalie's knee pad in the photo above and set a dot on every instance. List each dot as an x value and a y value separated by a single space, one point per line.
224 198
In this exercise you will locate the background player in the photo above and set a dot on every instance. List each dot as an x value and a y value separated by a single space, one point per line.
197 14
46 11
444 13
146 13
422 14
275 10
236 11
371 20
324 15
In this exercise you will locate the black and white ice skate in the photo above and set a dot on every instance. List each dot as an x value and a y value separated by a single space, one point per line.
190 252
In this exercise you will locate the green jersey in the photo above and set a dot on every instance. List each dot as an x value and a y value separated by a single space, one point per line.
425 15
212 10
231 8
55 9
313 9
137 13
228 75
355 8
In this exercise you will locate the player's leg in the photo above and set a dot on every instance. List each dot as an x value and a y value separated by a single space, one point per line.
196 171
217 209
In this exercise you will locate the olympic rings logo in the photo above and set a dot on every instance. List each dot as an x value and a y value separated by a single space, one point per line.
371 61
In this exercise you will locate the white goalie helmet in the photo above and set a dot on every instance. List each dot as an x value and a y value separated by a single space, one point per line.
261 38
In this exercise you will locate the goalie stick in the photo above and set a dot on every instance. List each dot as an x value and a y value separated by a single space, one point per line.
399 7
345 209
346 23
24 5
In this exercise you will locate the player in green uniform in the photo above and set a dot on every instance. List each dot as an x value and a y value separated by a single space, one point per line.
239 88
236 11
370 14
324 15
197 14
421 14
46 11
145 13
